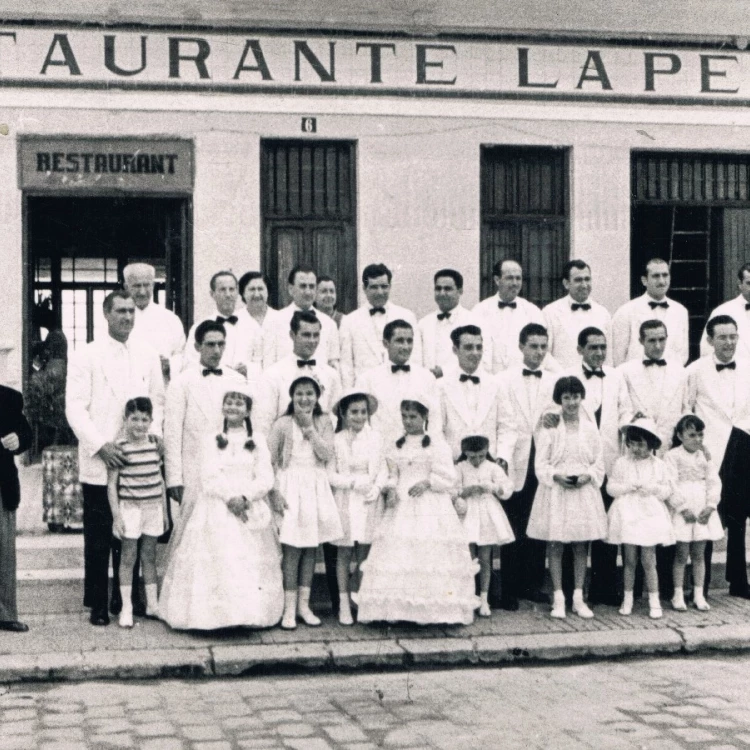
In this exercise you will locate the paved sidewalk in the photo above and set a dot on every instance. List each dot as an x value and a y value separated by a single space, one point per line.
63 646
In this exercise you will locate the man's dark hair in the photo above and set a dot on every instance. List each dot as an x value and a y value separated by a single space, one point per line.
583 336
303 316
373 271
218 275
109 300
719 320
449 273
531 329
206 327
301 268
391 327
471 330
578 264
651 325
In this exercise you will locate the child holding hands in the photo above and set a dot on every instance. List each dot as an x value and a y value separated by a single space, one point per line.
482 484
136 497
693 505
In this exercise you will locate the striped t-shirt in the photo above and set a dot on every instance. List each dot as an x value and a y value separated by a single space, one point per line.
140 478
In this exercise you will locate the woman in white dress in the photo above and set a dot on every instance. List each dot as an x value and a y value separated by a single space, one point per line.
301 445
355 475
259 315
419 568
225 567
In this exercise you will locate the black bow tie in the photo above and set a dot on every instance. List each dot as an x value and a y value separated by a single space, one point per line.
652 362
400 368
531 373
232 319
747 305
502 305
305 363
444 316
590 373
377 310
211 371
727 366
653 305
473 378
582 306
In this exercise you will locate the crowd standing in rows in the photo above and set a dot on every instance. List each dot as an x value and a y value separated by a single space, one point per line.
409 450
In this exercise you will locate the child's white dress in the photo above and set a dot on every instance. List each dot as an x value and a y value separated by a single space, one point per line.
225 572
358 460
636 517
485 521
568 515
697 486
311 516
419 568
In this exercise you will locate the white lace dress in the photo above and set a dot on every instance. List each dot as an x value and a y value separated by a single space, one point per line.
485 521
419 568
224 572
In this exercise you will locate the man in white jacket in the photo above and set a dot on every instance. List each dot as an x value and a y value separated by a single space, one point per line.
739 310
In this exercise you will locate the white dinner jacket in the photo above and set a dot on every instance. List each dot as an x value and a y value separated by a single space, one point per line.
390 389
735 308
492 416
362 346
96 393
437 347
617 410
525 417
664 406
708 398
564 325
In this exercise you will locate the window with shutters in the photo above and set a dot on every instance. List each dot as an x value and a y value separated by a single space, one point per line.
524 213
308 203
693 210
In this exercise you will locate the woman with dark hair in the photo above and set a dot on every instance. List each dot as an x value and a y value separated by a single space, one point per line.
301 444
257 314
568 506
419 568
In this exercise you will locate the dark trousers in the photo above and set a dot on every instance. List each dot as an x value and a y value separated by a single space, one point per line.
330 555
8 609
522 563
734 507
98 542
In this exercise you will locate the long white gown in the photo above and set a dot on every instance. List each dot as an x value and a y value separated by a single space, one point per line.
224 572
419 568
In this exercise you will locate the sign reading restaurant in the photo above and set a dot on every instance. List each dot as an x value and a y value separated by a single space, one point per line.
234 61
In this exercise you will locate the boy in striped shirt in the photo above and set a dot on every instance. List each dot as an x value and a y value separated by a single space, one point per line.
136 496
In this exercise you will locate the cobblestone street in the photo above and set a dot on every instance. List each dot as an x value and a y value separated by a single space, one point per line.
651 704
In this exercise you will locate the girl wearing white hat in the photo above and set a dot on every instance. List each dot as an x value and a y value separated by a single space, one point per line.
638 518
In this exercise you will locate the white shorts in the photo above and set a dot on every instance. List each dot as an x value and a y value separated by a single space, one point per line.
142 518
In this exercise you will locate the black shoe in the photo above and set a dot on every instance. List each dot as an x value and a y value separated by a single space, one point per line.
115 603
139 609
743 592
99 618
14 626
509 603
536 596
608 600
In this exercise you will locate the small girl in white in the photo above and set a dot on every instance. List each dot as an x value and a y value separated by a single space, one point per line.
568 505
638 518
353 474
481 484
301 445
693 505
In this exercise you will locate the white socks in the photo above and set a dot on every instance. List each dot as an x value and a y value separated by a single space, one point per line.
678 600
580 607
345 609
558 605
303 607
699 600
627 604
289 618
484 606
152 600
126 614
654 606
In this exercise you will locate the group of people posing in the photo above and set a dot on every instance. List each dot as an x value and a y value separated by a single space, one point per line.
409 450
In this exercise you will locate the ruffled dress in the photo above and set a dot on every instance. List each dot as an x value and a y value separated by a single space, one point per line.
224 572
311 516
697 486
419 568
638 518
354 474
566 515
485 521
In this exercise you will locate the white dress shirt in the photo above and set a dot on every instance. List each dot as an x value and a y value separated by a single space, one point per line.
626 325
564 324
737 310
437 347
278 344
162 330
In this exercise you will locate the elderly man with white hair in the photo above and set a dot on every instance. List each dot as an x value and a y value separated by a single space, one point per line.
154 325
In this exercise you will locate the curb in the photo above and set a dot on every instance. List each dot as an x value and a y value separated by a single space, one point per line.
344 656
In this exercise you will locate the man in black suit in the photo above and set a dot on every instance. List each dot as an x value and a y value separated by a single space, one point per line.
15 438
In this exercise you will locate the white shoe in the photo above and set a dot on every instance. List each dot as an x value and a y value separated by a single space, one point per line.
345 616
678 602
308 617
701 604
558 611
626 609
484 610
655 612
126 619
583 610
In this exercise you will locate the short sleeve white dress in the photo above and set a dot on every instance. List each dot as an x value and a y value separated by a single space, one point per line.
485 521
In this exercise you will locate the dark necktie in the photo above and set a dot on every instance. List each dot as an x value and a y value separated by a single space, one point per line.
400 368
473 378
377 311
444 316
727 366
653 305
591 373
211 371
583 306
652 362
232 319
305 363
502 305
531 373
